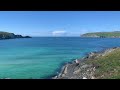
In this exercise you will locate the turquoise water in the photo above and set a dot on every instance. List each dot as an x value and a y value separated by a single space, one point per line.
41 57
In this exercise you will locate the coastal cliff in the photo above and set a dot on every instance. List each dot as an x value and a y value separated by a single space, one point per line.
96 65
7 35
115 34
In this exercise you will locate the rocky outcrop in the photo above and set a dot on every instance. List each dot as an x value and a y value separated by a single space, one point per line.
82 70
7 35
26 37
20 36
76 71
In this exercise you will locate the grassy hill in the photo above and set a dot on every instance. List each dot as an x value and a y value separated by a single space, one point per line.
109 65
7 35
102 34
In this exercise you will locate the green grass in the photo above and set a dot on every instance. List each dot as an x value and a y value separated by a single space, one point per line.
109 65
6 35
103 34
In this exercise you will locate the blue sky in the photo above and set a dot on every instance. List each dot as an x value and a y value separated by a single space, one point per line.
58 23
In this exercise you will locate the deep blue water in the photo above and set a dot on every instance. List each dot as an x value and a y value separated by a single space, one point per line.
40 57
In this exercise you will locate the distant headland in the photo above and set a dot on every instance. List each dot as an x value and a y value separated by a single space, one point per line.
7 35
114 34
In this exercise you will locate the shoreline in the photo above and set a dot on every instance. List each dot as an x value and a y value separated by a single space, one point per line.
78 69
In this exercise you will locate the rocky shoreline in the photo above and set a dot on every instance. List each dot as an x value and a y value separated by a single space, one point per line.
79 69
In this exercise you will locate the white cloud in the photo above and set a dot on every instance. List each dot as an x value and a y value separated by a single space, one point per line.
59 33
83 31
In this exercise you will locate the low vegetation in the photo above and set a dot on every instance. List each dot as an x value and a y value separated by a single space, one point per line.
102 34
7 35
108 65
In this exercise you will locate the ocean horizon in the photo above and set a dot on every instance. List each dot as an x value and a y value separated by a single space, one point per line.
43 57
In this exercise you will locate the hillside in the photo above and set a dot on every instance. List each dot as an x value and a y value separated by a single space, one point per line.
7 35
97 65
115 34
108 65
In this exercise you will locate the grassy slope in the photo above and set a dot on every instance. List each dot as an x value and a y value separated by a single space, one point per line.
5 35
104 34
109 65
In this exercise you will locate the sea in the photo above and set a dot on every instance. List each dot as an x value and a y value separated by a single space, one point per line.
43 57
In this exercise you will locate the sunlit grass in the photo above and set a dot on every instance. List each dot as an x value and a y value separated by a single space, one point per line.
109 65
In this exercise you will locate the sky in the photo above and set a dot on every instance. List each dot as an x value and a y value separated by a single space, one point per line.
59 23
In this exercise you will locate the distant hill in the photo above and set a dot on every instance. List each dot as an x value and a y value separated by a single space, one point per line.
7 35
115 34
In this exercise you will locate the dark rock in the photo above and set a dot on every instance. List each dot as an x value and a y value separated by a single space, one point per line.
7 35
18 36
26 37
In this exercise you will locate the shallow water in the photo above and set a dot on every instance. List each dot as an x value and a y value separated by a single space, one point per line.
40 57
